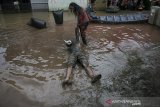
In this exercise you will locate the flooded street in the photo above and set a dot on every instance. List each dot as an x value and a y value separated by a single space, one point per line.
33 62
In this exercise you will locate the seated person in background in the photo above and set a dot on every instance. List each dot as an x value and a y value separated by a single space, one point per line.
155 2
76 55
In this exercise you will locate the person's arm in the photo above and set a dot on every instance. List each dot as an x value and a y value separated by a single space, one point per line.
78 20
78 34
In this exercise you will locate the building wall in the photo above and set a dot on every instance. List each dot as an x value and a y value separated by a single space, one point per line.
39 4
52 5
63 4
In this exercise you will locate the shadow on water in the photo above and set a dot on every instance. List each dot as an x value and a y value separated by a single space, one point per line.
33 62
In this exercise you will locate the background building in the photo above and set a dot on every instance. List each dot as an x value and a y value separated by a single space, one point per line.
63 4
23 5
37 5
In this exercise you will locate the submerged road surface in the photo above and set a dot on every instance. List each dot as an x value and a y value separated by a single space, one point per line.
33 62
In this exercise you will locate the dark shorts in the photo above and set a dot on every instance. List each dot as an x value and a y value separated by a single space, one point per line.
73 59
84 26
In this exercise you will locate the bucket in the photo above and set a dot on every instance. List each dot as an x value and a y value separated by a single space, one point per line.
58 16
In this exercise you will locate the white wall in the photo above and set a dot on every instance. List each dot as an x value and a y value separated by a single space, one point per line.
39 4
63 4
39 1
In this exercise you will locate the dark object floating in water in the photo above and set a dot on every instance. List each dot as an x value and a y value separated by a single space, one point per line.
37 23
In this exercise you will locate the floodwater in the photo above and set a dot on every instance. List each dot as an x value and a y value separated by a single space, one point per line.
33 62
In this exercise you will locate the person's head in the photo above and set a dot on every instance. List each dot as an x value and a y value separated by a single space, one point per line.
68 43
75 8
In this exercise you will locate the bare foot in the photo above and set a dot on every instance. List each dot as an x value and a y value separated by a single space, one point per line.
66 82
96 78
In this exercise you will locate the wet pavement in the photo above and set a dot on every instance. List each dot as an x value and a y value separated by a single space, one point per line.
33 62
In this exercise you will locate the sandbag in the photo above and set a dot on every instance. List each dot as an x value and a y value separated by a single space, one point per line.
92 15
124 18
110 19
138 17
102 19
117 19
130 18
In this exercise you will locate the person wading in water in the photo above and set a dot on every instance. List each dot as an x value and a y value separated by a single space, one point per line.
82 19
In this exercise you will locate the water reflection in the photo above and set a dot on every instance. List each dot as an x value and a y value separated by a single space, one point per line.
13 83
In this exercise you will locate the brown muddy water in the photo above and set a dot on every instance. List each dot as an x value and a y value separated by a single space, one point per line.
33 62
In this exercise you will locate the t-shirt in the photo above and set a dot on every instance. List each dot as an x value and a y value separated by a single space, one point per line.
75 48
83 17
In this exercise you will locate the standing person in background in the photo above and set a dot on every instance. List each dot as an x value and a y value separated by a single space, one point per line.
92 2
82 19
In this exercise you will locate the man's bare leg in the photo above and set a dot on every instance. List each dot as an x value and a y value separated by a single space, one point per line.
89 71
68 75
93 77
